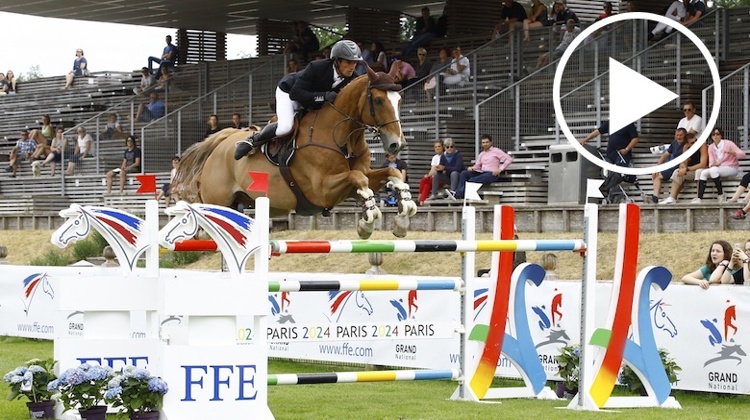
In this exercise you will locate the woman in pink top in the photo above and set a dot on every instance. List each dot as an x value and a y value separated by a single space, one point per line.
723 161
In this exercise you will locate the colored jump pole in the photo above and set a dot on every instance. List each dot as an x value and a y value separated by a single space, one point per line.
370 376
347 247
363 285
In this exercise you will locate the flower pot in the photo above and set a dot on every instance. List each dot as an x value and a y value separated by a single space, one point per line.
41 410
563 392
149 415
97 412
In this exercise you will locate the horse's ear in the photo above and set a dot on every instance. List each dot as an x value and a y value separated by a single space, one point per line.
370 72
394 70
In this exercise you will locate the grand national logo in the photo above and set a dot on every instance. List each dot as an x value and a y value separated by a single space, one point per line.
722 336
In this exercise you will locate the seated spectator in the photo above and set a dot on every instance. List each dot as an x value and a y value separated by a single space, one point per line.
11 78
162 84
168 57
562 14
54 156
424 32
691 122
292 66
151 111
606 13
4 85
112 129
695 10
459 70
443 62
676 11
406 74
426 182
490 163
131 162
451 166
723 161
303 43
549 264
380 62
166 190
423 65
688 169
673 152
213 126
716 269
23 150
237 122
147 81
42 137
538 18
394 162
84 145
80 68
512 15
571 31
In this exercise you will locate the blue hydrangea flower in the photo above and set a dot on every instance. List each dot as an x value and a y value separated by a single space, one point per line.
157 385
52 386
113 392
36 369
141 374
16 379
114 382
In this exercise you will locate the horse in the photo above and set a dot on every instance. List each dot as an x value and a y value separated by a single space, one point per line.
331 160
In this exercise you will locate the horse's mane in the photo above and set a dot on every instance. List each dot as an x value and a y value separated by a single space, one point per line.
185 182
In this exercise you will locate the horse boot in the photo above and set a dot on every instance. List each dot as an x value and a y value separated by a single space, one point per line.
254 141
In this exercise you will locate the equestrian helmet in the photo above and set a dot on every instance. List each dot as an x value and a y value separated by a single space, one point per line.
347 50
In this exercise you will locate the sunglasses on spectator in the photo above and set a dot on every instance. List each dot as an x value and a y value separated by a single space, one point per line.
687 109
421 54
448 147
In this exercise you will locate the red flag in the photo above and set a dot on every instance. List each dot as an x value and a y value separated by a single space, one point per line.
258 182
148 184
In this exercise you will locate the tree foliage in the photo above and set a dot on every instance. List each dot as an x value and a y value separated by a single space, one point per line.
33 74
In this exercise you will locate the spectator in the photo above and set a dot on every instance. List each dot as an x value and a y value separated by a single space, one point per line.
723 161
459 70
426 182
394 162
237 122
42 137
741 213
292 66
112 129
54 156
549 264
512 15
304 41
676 11
539 18
443 62
740 263
695 10
423 64
213 126
380 63
406 74
571 31
23 150
451 166
162 84
80 68
688 169
673 152
691 122
716 270
82 150
4 85
621 141
491 162
607 12
423 33
131 162
562 14
166 189
168 57
147 81
151 111
11 78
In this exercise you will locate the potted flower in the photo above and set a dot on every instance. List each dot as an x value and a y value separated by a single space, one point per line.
83 388
30 380
138 392
630 379
568 364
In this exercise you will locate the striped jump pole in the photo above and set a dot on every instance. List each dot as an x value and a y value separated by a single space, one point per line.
194 245
372 376
352 247
363 285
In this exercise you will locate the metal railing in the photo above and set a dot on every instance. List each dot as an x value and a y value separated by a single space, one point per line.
734 116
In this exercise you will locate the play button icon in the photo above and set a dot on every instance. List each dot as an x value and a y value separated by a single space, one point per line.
632 96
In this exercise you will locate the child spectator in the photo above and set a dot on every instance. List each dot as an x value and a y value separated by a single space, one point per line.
112 130
23 150
80 68
82 150
131 162
166 189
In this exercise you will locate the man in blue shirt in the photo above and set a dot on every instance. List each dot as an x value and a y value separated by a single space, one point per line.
168 57
152 111
622 141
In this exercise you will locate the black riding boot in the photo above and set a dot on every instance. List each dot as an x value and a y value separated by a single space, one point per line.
719 187
256 140
701 188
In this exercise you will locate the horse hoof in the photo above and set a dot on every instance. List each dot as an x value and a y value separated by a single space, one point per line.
400 226
364 230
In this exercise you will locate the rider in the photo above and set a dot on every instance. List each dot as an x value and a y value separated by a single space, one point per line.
310 88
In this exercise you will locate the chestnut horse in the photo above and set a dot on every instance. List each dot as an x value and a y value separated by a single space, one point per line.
331 160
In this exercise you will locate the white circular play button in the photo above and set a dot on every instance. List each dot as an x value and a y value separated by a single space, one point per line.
633 96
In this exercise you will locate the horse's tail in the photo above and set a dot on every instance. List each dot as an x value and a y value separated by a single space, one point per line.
186 181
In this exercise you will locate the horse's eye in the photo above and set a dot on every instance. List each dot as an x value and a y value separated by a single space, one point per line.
379 101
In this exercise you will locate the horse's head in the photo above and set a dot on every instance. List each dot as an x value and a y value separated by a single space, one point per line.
382 112
662 320
76 227
183 226
47 287
362 302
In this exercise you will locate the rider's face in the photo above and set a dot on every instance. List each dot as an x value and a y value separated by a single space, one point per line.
346 67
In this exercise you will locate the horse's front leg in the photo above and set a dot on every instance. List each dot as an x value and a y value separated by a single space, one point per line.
370 210
406 206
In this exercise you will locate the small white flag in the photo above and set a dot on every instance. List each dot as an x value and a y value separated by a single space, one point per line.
471 191
592 188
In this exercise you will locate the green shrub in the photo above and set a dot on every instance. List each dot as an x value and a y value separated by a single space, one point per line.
86 249
52 258
185 258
